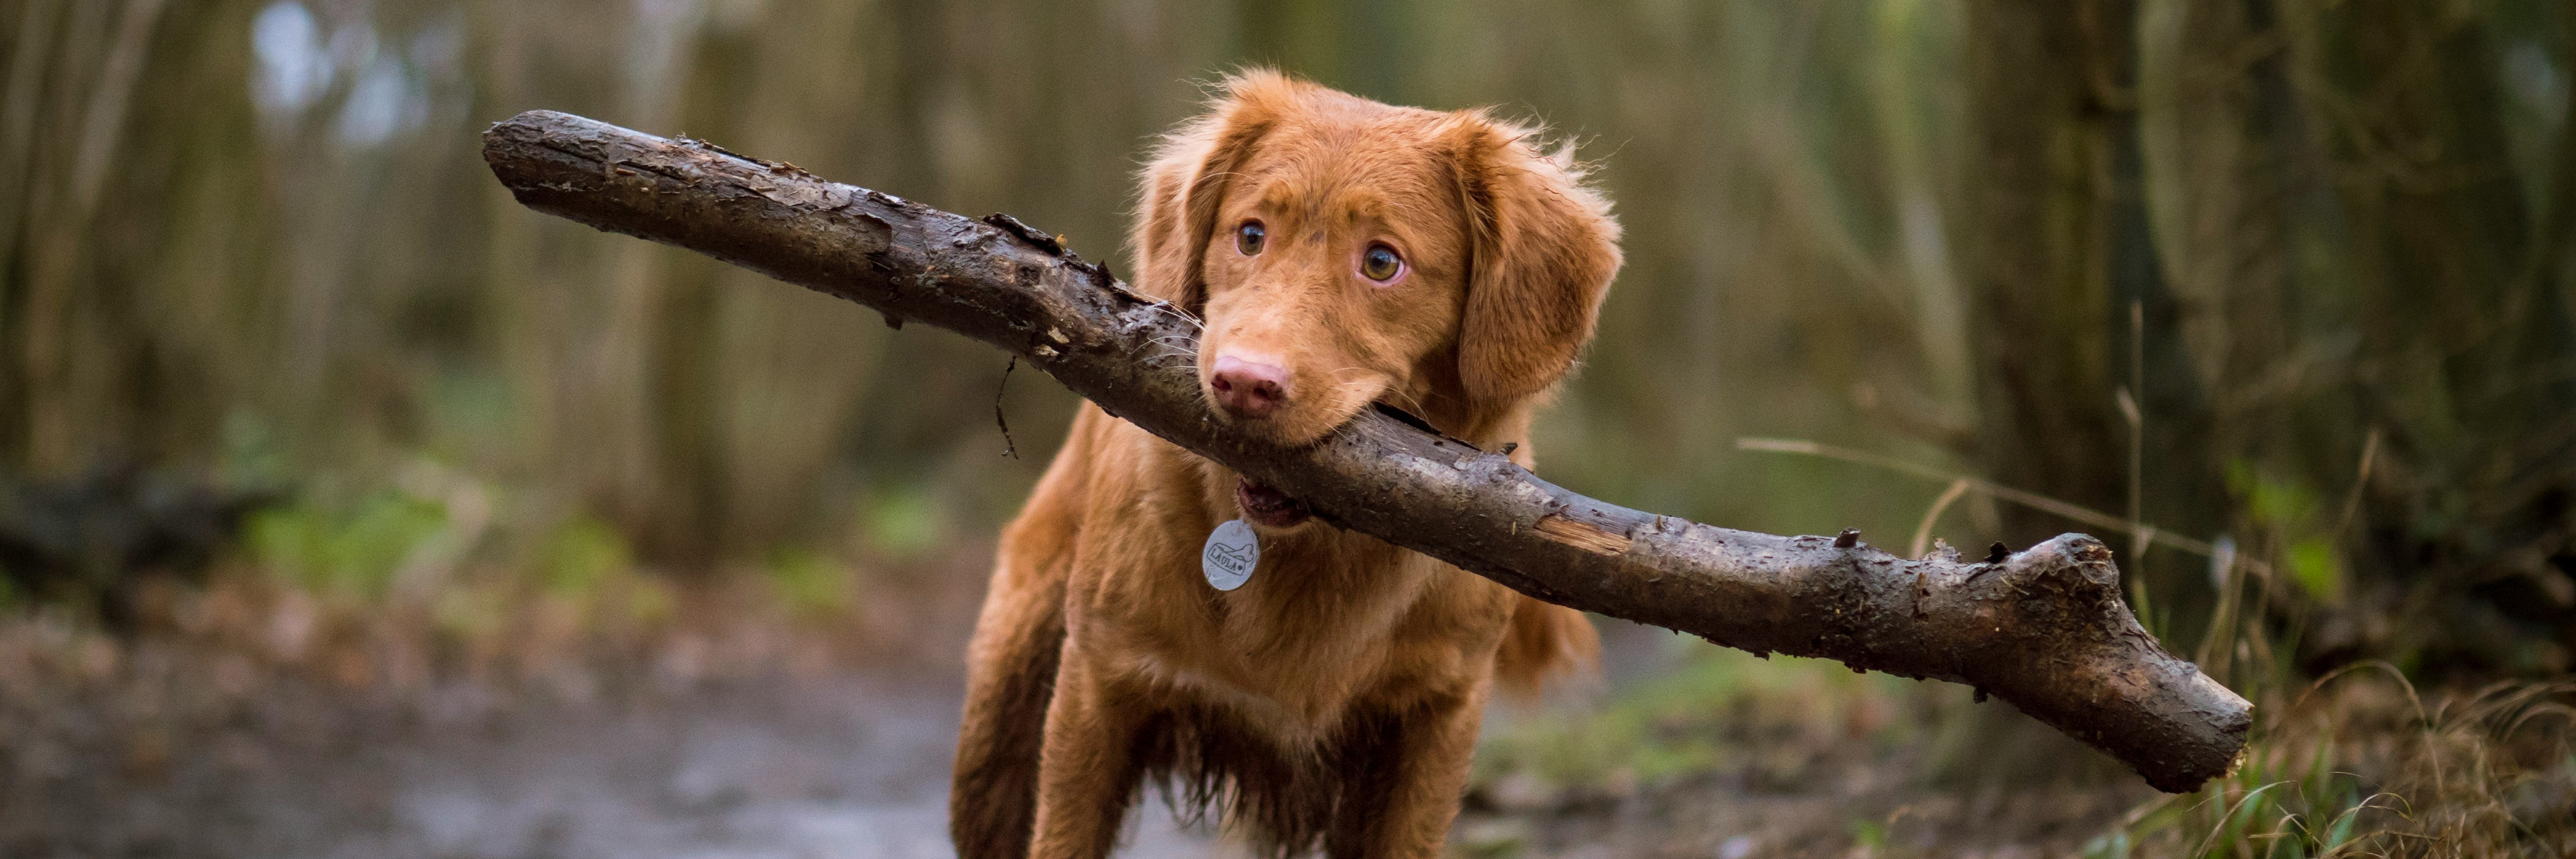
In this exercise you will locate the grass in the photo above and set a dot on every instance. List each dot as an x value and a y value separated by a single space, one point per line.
1716 710
2360 763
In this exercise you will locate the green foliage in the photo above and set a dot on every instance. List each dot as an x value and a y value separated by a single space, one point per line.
352 551
582 554
905 522
1719 708
1870 835
2265 810
810 584
2316 567
587 563
2296 518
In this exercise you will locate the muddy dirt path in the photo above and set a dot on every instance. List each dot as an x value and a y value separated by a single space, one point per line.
212 744
841 765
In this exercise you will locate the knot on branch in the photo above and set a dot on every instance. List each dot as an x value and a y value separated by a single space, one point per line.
2068 586
2076 563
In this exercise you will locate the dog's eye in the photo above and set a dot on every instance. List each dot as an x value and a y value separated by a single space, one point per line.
1247 238
1381 264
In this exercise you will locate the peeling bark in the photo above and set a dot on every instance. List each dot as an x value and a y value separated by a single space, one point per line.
2044 628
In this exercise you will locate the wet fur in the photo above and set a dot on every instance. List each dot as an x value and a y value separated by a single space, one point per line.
1332 701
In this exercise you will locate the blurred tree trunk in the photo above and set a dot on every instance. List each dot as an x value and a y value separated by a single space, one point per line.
2464 357
2315 207
2058 251
1355 45
2036 251
2233 192
2038 243
93 79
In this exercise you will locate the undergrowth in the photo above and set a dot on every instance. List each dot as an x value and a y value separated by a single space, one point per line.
2358 762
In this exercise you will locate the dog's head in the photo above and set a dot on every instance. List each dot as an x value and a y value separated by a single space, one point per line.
1342 251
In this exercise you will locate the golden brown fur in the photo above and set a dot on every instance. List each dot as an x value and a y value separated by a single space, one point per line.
1333 700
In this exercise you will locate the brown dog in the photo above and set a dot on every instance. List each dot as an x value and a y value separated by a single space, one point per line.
1341 251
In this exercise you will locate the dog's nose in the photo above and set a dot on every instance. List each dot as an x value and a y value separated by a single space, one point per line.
1247 389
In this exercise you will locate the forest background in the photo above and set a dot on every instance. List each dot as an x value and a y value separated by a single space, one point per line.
2278 295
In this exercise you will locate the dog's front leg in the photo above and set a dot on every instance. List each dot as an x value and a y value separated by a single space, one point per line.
1399 805
1087 768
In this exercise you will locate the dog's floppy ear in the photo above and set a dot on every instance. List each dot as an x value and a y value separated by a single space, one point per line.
1543 248
1189 176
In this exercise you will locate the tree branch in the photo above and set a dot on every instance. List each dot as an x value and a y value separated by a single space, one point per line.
2044 628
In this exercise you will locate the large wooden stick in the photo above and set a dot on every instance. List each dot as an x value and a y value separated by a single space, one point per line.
2043 628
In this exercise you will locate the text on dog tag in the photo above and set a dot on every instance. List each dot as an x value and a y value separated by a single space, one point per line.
1231 553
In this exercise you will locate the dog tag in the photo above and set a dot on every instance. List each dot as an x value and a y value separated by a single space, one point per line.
1232 551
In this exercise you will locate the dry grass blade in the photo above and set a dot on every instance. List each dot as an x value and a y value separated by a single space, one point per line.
1923 532
2032 500
2360 762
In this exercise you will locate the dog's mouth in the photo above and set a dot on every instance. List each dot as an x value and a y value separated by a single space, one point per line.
1264 505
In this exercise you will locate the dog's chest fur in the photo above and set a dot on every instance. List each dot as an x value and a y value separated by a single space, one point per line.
1331 622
